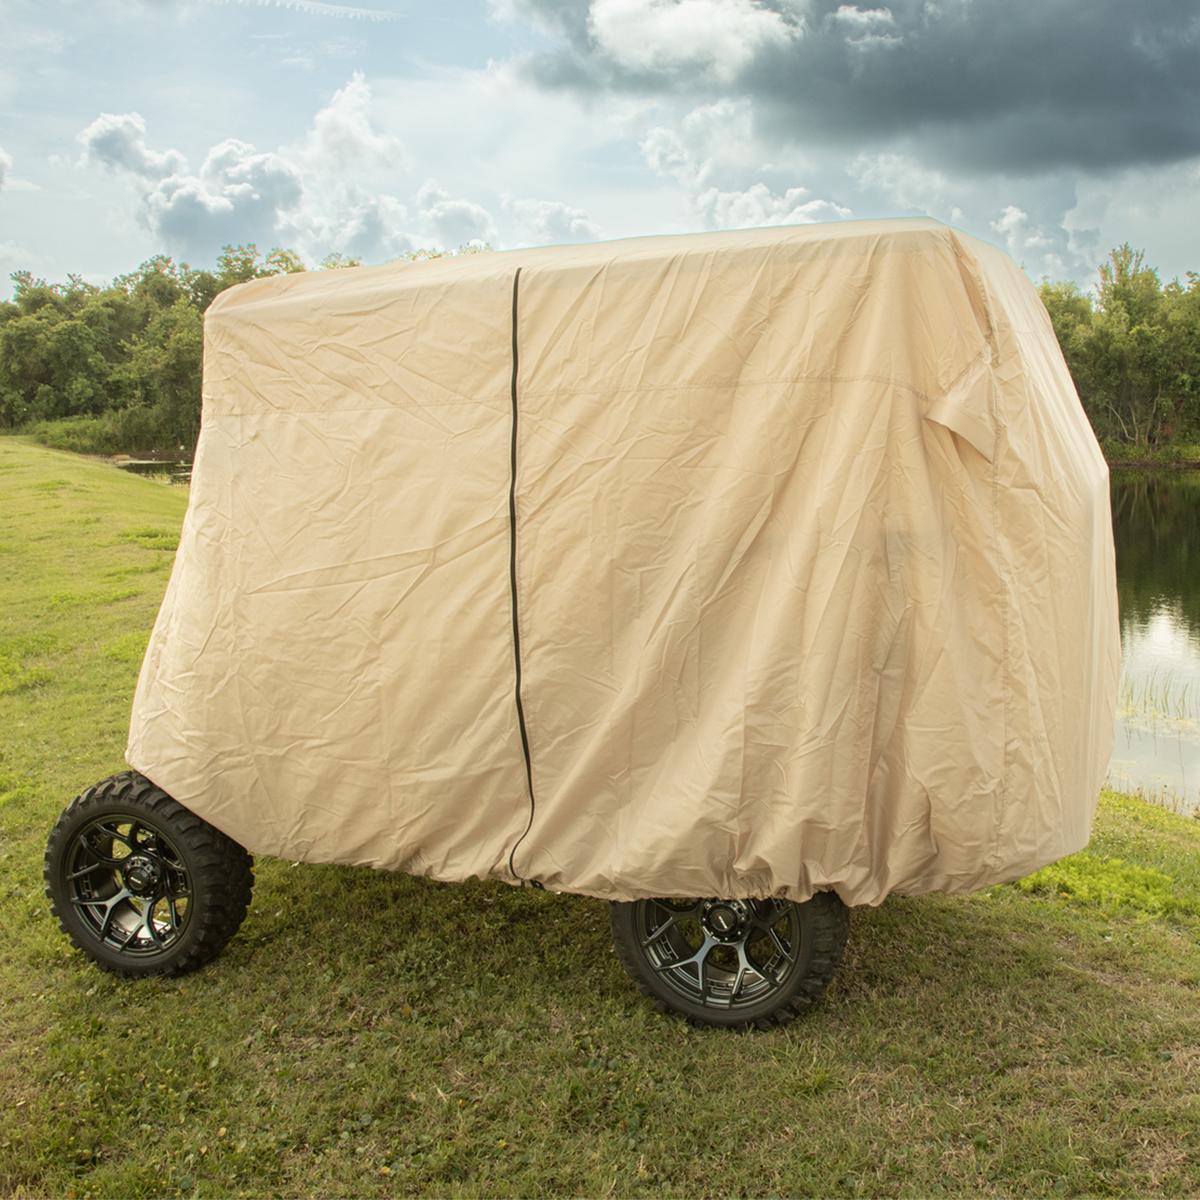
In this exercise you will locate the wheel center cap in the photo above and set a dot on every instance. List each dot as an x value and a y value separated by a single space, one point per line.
140 874
723 920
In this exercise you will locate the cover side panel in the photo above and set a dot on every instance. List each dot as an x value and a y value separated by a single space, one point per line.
330 675
762 643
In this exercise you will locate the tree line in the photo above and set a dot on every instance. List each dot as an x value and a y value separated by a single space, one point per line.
1133 348
117 369
110 369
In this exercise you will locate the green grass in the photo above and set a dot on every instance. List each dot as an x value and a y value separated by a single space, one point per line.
374 1035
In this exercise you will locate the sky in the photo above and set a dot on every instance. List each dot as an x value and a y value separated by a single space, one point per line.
1054 128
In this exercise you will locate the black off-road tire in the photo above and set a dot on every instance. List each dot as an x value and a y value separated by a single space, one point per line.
186 885
654 939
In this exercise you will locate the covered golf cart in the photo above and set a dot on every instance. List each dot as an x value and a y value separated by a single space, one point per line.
730 577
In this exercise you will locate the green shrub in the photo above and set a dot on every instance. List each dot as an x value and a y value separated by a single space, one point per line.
131 431
1111 884
83 435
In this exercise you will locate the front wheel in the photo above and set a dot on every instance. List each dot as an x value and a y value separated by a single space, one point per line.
732 963
140 884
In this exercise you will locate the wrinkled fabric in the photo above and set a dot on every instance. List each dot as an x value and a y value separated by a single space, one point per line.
814 570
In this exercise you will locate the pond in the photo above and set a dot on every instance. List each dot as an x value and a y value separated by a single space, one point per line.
1156 525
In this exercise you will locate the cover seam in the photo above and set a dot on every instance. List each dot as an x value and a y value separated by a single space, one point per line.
512 580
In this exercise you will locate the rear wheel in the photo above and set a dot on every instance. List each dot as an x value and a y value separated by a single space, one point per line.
140 884
732 962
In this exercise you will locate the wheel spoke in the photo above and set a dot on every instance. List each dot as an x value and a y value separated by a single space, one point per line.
743 967
126 839
108 909
701 972
111 908
123 945
174 879
668 924
102 857
773 934
698 959
106 923
148 921
85 870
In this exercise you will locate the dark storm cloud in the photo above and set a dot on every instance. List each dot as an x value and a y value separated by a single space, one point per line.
996 85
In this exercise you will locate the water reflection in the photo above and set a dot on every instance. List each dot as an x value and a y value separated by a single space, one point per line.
1156 525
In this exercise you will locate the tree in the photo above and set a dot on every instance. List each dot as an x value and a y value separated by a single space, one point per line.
1070 311
1135 352
335 261
163 371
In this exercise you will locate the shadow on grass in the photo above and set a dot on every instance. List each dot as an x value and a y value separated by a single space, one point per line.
384 937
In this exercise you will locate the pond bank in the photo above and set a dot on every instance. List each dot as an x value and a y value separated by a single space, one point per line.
1178 456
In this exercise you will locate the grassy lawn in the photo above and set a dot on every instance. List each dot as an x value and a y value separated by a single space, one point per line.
370 1034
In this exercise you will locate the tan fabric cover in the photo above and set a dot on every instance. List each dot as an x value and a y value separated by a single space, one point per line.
815 570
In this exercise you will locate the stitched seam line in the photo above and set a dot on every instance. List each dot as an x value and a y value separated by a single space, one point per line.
512 579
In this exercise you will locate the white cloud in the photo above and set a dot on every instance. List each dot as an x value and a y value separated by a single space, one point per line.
867 27
238 195
5 166
550 221
454 222
718 37
342 146
864 41
373 227
1045 250
1035 227
906 182
343 135
346 184
118 141
301 195
757 205
1012 223
667 154
713 154
691 152
470 130
863 18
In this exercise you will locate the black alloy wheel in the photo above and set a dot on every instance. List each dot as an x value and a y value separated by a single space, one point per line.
141 885
732 963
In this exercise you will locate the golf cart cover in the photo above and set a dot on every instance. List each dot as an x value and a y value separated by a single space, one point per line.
810 582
